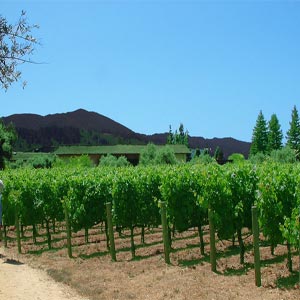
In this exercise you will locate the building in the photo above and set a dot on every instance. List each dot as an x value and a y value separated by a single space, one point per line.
131 152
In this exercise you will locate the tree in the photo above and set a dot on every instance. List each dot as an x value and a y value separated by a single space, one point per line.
16 45
219 155
293 134
178 138
259 136
7 137
274 134
170 137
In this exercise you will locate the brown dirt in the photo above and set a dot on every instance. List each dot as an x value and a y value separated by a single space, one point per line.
92 273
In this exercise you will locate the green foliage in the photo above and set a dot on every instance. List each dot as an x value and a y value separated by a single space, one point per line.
74 162
258 158
284 155
216 195
42 195
243 185
274 134
236 157
152 155
165 156
276 198
178 138
122 162
180 189
219 155
203 158
293 134
112 161
17 44
148 155
259 136
7 137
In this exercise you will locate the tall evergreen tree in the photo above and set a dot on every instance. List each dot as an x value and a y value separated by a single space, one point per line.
259 136
274 134
293 134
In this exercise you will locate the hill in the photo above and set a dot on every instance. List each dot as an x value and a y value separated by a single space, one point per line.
82 127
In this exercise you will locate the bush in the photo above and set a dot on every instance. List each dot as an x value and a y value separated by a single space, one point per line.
76 161
284 155
112 161
258 158
236 157
148 155
166 155
152 155
203 158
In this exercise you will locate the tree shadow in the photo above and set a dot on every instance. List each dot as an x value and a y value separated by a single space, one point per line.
273 260
242 270
142 257
193 262
93 255
13 262
41 251
288 282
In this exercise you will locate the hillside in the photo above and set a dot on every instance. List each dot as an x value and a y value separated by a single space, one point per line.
81 127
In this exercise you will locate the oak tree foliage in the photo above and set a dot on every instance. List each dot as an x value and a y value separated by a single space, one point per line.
17 44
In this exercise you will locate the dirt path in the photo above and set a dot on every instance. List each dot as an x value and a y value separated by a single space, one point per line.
20 282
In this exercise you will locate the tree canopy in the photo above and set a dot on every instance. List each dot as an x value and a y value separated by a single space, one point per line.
259 136
7 137
293 134
16 46
178 138
274 134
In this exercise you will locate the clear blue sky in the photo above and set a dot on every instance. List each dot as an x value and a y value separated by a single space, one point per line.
211 65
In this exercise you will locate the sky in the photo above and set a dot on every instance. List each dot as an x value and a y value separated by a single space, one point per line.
210 65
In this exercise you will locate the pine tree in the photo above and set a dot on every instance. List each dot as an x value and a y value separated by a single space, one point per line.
274 134
293 134
259 136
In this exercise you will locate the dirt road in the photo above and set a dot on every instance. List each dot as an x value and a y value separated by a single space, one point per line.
20 282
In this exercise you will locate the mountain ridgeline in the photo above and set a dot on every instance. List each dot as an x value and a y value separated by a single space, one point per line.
81 127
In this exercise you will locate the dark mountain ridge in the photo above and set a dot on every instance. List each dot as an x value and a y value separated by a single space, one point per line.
81 127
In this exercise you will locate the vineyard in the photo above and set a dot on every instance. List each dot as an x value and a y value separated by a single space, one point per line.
194 198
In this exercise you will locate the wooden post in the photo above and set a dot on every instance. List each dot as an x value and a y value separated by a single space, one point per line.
165 231
17 221
69 234
110 232
299 249
5 235
255 230
212 241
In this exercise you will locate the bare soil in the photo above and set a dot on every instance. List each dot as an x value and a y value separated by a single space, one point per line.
93 275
